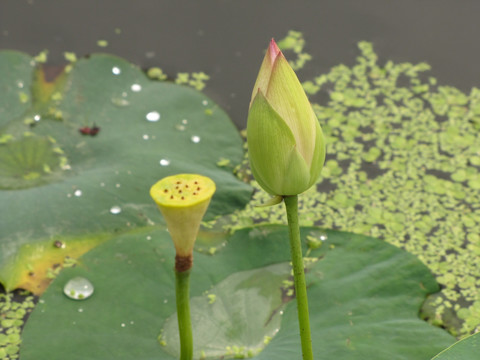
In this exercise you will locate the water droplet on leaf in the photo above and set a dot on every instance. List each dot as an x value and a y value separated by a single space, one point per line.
153 116
78 193
78 288
195 139
164 162
115 210
136 87
145 137
116 70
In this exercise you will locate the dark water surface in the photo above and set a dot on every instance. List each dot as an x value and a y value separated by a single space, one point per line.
226 38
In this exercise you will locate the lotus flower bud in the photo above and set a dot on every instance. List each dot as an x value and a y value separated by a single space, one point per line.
183 200
285 142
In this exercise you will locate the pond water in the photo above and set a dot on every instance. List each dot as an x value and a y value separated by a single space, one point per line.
225 38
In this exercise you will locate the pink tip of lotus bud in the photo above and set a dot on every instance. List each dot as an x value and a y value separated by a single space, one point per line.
273 50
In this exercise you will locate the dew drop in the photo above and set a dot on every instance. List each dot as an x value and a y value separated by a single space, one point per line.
204 102
122 325
153 116
78 288
116 70
184 121
136 87
164 162
195 139
145 137
37 117
165 301
20 84
78 193
149 237
323 237
80 310
117 185
115 210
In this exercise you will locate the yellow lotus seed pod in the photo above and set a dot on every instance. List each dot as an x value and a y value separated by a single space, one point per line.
183 200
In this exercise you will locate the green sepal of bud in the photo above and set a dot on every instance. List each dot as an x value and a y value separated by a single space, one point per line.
275 161
273 201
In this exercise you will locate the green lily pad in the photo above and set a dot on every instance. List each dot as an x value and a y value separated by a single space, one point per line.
59 179
467 348
364 298
16 71
238 316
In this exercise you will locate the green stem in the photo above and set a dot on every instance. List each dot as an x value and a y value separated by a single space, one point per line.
291 205
182 288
